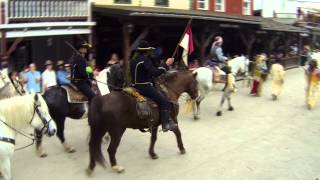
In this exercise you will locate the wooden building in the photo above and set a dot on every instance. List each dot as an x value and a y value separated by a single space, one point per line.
35 31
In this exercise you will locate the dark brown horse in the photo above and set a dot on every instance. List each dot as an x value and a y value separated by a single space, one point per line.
115 112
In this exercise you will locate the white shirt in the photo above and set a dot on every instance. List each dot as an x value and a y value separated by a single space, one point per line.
48 79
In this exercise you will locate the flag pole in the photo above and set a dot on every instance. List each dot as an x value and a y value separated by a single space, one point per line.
185 30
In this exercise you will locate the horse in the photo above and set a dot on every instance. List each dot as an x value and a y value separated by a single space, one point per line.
122 114
239 66
59 108
15 113
7 88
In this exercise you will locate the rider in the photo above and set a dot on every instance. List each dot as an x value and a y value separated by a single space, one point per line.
219 61
143 71
82 73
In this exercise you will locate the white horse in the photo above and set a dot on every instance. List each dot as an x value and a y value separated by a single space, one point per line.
16 113
7 89
239 66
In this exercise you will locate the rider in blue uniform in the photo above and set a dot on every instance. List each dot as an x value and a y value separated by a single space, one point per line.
143 71
82 73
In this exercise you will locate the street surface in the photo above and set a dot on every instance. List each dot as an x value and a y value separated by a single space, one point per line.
260 140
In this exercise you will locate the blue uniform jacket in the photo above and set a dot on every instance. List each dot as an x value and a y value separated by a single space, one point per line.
62 77
79 65
143 71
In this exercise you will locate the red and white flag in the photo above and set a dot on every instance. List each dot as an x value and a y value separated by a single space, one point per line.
187 44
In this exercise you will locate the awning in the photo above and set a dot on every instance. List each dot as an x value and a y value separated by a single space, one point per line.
46 29
271 25
174 13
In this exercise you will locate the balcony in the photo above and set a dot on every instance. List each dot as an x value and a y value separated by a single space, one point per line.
38 10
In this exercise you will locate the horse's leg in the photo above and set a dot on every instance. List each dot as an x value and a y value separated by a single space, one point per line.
115 135
5 168
154 135
96 136
60 121
230 107
177 132
219 112
40 151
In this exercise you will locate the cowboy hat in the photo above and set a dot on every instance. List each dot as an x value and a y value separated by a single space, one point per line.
84 45
48 62
60 63
145 46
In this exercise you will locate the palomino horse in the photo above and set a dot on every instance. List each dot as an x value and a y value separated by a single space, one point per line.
115 112
7 88
16 113
239 66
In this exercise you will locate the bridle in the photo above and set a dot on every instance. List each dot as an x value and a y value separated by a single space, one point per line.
32 137
8 83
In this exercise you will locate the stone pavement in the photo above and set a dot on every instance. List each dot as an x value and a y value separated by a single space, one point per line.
260 140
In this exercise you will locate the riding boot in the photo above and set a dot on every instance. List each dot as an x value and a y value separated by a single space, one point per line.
166 121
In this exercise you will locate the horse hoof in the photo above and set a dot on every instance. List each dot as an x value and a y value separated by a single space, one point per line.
182 151
89 172
154 156
70 150
196 118
219 113
43 155
118 169
231 108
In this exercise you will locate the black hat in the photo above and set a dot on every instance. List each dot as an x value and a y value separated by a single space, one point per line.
84 45
145 46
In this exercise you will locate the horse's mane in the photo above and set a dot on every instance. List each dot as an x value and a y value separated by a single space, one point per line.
17 110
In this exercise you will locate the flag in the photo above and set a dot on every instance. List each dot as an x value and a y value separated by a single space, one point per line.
187 44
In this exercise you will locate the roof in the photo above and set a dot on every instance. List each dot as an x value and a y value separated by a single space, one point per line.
133 11
271 25
46 29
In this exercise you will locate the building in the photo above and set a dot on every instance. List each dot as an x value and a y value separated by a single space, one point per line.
174 4
35 31
237 7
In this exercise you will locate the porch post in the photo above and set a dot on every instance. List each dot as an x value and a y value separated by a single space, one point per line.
3 43
126 50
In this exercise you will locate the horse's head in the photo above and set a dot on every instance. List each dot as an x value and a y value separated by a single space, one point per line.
192 85
182 81
41 119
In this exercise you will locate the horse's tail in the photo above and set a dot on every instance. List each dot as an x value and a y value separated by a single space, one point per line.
96 134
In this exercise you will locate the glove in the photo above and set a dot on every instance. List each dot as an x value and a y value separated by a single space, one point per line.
89 70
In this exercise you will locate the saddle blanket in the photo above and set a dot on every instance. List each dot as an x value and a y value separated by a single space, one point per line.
74 95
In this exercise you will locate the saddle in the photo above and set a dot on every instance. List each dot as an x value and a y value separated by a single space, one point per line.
145 106
74 95
218 75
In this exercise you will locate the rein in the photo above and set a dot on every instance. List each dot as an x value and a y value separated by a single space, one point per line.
31 137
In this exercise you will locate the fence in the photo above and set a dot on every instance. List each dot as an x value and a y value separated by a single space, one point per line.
22 9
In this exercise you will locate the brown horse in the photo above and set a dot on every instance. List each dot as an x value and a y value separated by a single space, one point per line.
115 112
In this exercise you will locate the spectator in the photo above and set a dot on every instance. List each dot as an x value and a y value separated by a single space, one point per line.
306 55
48 76
63 76
23 77
33 79
194 65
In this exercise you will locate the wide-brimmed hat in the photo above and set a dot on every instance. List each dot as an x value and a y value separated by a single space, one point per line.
60 63
48 62
145 46
84 45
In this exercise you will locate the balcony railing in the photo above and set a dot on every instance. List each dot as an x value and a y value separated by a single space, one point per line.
37 9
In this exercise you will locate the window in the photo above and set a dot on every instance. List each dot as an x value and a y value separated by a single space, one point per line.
202 4
247 7
162 3
220 5
122 1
